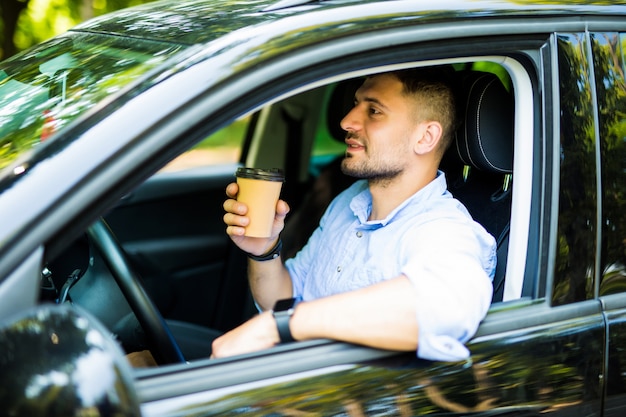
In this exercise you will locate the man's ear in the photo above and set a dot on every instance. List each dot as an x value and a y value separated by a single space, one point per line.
429 135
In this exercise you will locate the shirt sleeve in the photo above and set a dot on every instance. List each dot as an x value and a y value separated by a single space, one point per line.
450 264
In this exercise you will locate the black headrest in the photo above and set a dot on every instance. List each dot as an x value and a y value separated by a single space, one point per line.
340 103
485 138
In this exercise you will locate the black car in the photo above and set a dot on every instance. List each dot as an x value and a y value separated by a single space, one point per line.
118 138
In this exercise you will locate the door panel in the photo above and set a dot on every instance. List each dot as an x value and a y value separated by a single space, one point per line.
539 361
173 231
615 403
608 51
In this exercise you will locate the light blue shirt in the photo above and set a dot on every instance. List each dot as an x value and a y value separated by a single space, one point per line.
430 238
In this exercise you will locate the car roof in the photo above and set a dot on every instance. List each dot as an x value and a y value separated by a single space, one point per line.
195 21
201 21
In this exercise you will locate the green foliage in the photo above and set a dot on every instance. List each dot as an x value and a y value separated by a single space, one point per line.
42 19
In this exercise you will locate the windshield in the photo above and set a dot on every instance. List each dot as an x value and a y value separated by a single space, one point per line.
45 88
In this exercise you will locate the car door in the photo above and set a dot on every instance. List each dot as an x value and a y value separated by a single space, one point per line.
539 352
608 50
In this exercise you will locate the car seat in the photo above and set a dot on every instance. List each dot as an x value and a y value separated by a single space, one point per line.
479 164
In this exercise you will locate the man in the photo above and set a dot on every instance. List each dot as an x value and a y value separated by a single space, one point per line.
396 262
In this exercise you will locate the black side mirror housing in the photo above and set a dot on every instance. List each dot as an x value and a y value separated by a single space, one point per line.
57 360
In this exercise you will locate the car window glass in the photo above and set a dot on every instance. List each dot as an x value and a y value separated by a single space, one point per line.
44 89
608 49
221 147
575 257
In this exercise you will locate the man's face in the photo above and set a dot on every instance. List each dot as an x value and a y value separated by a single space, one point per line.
380 130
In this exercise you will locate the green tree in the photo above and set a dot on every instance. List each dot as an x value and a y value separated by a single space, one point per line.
28 22
11 10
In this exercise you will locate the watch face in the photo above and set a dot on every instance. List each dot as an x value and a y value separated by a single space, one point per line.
286 304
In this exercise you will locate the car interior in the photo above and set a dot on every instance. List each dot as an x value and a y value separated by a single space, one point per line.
158 269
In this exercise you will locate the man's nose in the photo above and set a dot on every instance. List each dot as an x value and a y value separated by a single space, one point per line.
350 121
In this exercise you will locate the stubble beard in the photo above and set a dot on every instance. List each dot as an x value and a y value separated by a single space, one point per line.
375 173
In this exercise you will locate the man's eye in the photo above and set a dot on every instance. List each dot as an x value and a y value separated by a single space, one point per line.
374 110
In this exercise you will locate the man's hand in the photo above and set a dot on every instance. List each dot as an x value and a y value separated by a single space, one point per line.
236 221
258 333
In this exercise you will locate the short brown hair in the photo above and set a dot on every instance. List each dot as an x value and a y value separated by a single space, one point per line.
436 93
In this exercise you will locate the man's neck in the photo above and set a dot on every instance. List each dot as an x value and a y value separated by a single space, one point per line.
388 194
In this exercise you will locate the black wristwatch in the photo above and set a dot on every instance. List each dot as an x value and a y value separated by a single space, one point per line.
282 312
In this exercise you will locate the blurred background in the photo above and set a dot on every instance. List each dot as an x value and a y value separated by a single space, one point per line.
28 22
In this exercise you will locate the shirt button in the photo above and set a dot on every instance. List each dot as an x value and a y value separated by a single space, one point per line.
339 268
359 234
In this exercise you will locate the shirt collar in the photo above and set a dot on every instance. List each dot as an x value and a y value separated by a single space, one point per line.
361 204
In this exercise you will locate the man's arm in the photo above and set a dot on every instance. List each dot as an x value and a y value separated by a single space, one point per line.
382 315
269 282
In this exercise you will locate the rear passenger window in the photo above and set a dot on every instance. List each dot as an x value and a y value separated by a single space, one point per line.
577 231
609 68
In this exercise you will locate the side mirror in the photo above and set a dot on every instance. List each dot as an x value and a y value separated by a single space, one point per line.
57 360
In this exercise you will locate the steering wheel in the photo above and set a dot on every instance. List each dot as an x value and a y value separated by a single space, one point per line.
160 340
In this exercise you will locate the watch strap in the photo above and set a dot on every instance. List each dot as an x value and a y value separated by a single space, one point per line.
272 254
282 312
282 323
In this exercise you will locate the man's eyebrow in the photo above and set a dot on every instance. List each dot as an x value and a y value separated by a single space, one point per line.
373 100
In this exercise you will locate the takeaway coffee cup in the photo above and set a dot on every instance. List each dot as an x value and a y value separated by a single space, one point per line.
259 189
